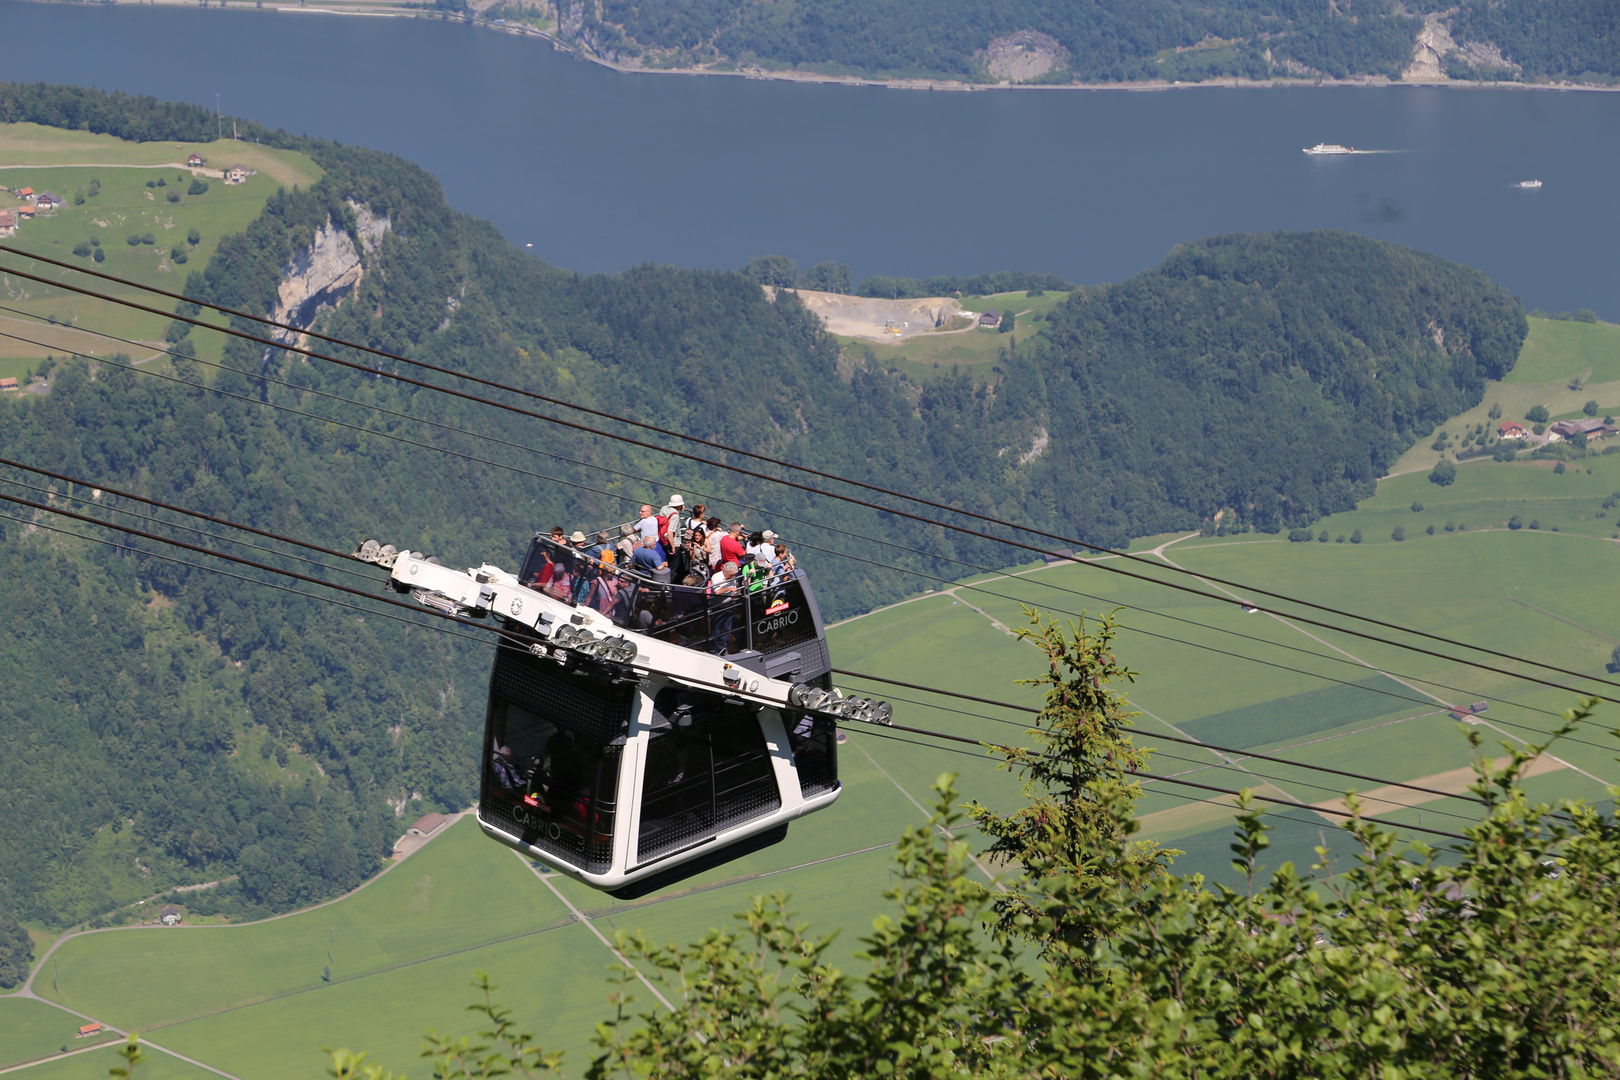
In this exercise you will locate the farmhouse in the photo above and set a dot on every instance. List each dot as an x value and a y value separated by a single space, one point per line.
27 193
24 212
990 318
8 383
8 223
196 161
171 915
236 174
426 825
1507 429
1591 428
48 200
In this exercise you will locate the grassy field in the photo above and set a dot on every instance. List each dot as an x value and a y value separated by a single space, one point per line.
94 1066
67 162
973 352
30 1030
33 145
402 951
1562 366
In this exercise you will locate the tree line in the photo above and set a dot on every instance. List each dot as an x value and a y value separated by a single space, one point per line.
1103 42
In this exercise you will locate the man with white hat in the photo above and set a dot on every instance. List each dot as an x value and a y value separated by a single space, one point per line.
676 522
585 567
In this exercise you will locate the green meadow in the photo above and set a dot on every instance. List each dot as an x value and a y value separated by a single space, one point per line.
31 1030
255 1000
67 162
94 1066
1562 366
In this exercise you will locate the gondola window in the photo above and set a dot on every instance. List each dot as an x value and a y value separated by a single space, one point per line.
707 770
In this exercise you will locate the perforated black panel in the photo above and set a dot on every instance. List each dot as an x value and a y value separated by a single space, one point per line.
596 709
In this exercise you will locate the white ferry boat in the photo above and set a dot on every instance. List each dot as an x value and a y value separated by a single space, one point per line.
1329 148
1528 184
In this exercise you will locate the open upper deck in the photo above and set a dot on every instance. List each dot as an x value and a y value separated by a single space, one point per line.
766 621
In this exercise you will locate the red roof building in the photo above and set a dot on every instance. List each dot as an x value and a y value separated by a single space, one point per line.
89 1029
427 825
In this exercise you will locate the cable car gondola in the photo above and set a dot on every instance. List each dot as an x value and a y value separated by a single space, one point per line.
662 732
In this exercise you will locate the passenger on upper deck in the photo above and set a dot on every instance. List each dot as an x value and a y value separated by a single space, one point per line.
762 546
647 560
647 524
731 545
711 543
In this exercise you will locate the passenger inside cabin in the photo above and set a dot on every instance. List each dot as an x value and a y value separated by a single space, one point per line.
505 771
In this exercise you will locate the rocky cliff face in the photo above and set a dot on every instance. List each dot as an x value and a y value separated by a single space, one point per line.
319 277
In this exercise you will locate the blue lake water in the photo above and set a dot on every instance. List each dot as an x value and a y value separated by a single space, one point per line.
600 170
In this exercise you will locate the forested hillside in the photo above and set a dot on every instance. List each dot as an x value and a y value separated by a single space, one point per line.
1096 41
164 724
1091 41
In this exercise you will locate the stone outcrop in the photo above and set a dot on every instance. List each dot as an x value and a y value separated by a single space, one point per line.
1435 45
1027 54
317 278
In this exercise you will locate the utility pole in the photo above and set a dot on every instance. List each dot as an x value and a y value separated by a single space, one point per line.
219 119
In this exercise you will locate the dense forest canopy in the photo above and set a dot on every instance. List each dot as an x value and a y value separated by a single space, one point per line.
168 725
1100 40
1547 39
1095 41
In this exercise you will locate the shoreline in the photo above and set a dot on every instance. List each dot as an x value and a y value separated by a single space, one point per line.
815 78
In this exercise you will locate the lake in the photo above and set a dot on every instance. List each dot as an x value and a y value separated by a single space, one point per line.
600 171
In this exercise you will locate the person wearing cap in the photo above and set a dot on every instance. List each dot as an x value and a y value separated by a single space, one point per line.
676 521
585 567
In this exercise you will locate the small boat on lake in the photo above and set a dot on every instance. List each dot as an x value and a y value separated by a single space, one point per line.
1529 184
1329 148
